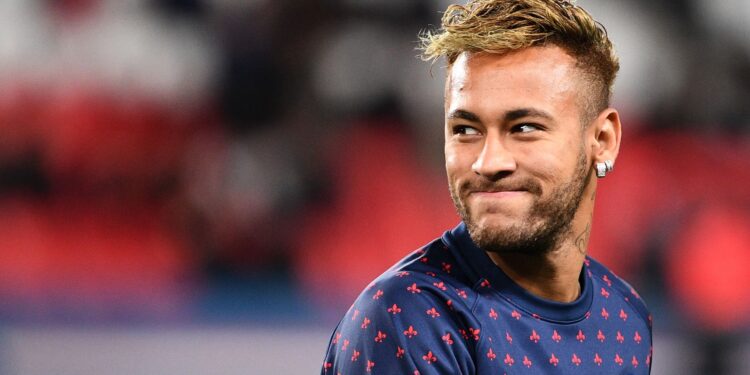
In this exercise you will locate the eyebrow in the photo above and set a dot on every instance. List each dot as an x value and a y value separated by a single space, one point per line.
511 115
463 115
526 112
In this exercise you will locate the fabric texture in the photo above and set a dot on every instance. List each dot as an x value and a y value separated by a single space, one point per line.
448 309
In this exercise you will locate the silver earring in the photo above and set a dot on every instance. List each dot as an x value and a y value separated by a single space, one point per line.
610 165
602 168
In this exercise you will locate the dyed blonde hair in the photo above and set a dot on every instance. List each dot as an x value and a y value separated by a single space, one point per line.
502 26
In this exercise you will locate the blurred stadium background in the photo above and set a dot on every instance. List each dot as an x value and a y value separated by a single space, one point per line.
202 186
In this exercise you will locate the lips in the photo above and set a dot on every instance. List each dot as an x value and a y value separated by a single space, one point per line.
497 191
528 187
498 194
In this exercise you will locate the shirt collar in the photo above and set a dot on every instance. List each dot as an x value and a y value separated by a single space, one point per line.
459 241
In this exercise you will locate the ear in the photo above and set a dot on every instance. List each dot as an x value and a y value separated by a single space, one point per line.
606 136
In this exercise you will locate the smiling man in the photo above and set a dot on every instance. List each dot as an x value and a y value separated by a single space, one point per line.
528 130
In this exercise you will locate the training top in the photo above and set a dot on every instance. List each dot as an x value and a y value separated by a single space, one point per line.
448 309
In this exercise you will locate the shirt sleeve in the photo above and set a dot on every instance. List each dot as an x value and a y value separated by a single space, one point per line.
403 325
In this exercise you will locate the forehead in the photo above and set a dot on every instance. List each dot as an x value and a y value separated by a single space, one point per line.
542 77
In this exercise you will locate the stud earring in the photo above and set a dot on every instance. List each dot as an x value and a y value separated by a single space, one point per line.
602 168
610 165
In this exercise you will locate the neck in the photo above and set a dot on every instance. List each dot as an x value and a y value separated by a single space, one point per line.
554 274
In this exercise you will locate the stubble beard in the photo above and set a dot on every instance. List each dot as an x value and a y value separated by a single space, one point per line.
546 225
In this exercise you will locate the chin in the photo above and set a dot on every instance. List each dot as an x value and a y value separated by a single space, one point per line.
493 227
504 236
507 207
495 219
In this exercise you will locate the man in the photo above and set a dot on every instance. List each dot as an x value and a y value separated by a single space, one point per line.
528 129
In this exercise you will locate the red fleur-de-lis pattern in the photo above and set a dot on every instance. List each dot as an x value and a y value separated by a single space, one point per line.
618 359
576 360
493 314
380 337
534 336
553 360
556 336
491 355
447 338
527 362
580 336
394 309
411 332
443 310
429 357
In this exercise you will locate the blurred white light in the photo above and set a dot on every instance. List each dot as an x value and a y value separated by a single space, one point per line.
651 67
726 16
359 63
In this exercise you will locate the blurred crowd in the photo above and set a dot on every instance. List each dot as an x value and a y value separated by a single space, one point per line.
182 160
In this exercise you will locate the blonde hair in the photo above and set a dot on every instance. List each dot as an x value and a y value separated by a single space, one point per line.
502 26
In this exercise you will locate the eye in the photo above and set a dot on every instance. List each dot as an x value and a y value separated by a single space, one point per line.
525 128
465 130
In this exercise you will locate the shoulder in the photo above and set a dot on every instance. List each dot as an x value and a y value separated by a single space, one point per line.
424 284
411 316
603 274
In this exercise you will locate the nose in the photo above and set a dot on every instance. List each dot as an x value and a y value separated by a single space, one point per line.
495 160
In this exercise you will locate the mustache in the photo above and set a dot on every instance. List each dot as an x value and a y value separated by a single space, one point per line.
523 184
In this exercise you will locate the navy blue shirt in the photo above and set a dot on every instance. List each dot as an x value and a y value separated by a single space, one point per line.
448 309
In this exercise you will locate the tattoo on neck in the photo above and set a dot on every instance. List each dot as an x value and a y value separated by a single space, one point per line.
582 238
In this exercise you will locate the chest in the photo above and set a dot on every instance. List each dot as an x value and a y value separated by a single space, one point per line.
610 339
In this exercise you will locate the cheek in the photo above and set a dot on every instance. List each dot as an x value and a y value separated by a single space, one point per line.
547 163
563 163
451 159
456 161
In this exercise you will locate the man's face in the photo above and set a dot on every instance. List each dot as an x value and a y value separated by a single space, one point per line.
514 147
